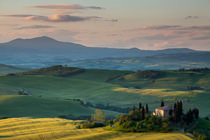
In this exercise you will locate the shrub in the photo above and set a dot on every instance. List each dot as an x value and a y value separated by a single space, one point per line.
150 74
91 124
202 137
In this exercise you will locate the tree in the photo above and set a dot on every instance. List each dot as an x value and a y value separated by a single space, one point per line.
140 106
188 118
170 114
133 108
142 113
147 109
196 113
178 111
162 103
180 108
134 115
202 137
98 116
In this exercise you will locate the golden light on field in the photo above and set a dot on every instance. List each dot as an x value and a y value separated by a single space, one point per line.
54 128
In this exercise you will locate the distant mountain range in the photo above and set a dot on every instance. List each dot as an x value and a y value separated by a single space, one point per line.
44 51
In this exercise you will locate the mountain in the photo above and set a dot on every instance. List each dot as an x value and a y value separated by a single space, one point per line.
5 69
45 51
155 62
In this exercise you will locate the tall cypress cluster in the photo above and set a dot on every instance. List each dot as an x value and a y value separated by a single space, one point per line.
178 111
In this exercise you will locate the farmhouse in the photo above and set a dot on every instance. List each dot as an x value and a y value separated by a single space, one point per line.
163 111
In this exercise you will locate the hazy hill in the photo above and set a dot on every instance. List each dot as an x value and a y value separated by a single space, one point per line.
45 51
5 69
156 62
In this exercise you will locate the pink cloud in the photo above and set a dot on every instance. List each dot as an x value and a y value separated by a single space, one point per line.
66 6
61 18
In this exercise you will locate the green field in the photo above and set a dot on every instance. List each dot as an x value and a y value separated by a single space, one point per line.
19 106
92 86
53 128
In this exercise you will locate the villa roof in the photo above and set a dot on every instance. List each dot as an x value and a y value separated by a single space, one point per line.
168 107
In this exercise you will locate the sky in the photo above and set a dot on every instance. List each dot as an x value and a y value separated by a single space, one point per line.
143 24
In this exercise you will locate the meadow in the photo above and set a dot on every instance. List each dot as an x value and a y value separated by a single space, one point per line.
35 116
96 87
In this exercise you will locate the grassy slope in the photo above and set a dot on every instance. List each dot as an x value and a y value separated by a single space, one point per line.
172 79
50 129
91 86
64 88
19 106
38 107
5 69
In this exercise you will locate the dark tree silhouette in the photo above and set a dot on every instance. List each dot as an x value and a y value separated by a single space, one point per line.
147 109
162 103
140 106
196 113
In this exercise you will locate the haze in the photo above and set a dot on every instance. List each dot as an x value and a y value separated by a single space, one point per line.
143 24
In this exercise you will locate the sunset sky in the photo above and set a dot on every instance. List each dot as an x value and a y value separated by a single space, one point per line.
143 24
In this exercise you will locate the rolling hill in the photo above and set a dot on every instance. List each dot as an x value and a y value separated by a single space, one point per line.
38 107
44 51
54 128
117 88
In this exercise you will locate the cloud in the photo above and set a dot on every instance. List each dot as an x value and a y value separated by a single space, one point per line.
112 20
61 18
55 18
203 37
161 44
170 27
160 27
35 27
195 28
66 6
159 37
8 24
18 15
191 17
163 36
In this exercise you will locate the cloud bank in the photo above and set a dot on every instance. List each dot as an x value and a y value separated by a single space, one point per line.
55 18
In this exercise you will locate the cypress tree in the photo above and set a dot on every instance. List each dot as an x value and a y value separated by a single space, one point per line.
196 113
162 103
176 112
181 107
143 113
140 106
170 114
147 109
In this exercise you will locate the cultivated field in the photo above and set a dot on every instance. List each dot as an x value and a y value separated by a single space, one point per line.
53 128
